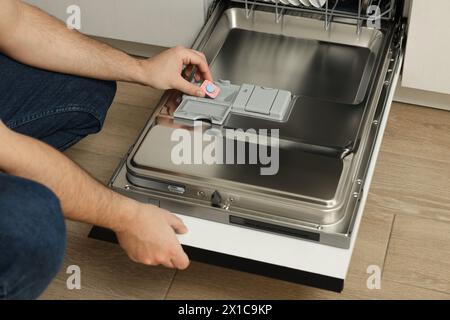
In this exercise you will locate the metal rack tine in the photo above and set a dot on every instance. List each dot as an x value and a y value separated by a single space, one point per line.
329 13
278 13
248 11
359 22
327 18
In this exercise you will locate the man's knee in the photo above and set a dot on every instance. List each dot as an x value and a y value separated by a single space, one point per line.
86 109
32 238
104 92
95 97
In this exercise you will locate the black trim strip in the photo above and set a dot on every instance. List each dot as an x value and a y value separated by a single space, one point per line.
264 226
245 265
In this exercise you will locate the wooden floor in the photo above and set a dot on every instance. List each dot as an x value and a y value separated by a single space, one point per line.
405 230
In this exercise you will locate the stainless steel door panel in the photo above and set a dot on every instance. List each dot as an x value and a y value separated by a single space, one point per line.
297 55
331 72
300 173
312 124
311 68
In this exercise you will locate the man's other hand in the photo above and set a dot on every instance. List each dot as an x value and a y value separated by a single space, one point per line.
149 237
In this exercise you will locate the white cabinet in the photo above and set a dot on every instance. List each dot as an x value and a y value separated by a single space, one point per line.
156 22
427 65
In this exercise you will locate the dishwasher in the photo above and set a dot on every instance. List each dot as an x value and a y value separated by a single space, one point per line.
322 78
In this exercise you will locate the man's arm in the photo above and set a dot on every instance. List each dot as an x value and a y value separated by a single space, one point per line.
145 232
32 37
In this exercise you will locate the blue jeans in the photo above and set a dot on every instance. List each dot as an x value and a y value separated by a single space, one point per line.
59 110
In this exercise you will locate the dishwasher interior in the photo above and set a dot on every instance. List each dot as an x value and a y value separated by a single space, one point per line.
333 66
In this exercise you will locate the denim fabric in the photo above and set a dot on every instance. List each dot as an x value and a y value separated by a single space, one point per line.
32 238
59 110
55 108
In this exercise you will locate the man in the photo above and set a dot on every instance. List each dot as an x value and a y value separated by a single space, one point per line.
49 101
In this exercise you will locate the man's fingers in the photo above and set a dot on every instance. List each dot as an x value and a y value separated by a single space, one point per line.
169 264
189 88
188 72
177 224
201 54
181 261
193 58
198 59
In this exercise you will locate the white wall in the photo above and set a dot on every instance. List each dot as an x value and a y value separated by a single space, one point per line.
427 63
157 22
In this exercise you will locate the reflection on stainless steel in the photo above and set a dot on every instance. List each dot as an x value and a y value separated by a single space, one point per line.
331 72
338 79
310 68
301 173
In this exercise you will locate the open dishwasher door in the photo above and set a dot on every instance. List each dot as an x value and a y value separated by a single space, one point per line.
337 71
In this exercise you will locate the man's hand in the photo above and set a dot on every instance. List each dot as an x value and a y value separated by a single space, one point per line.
148 237
164 70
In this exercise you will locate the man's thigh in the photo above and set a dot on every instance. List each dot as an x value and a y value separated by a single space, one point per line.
32 237
56 108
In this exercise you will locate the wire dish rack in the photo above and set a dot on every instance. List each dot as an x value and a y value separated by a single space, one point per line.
358 12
